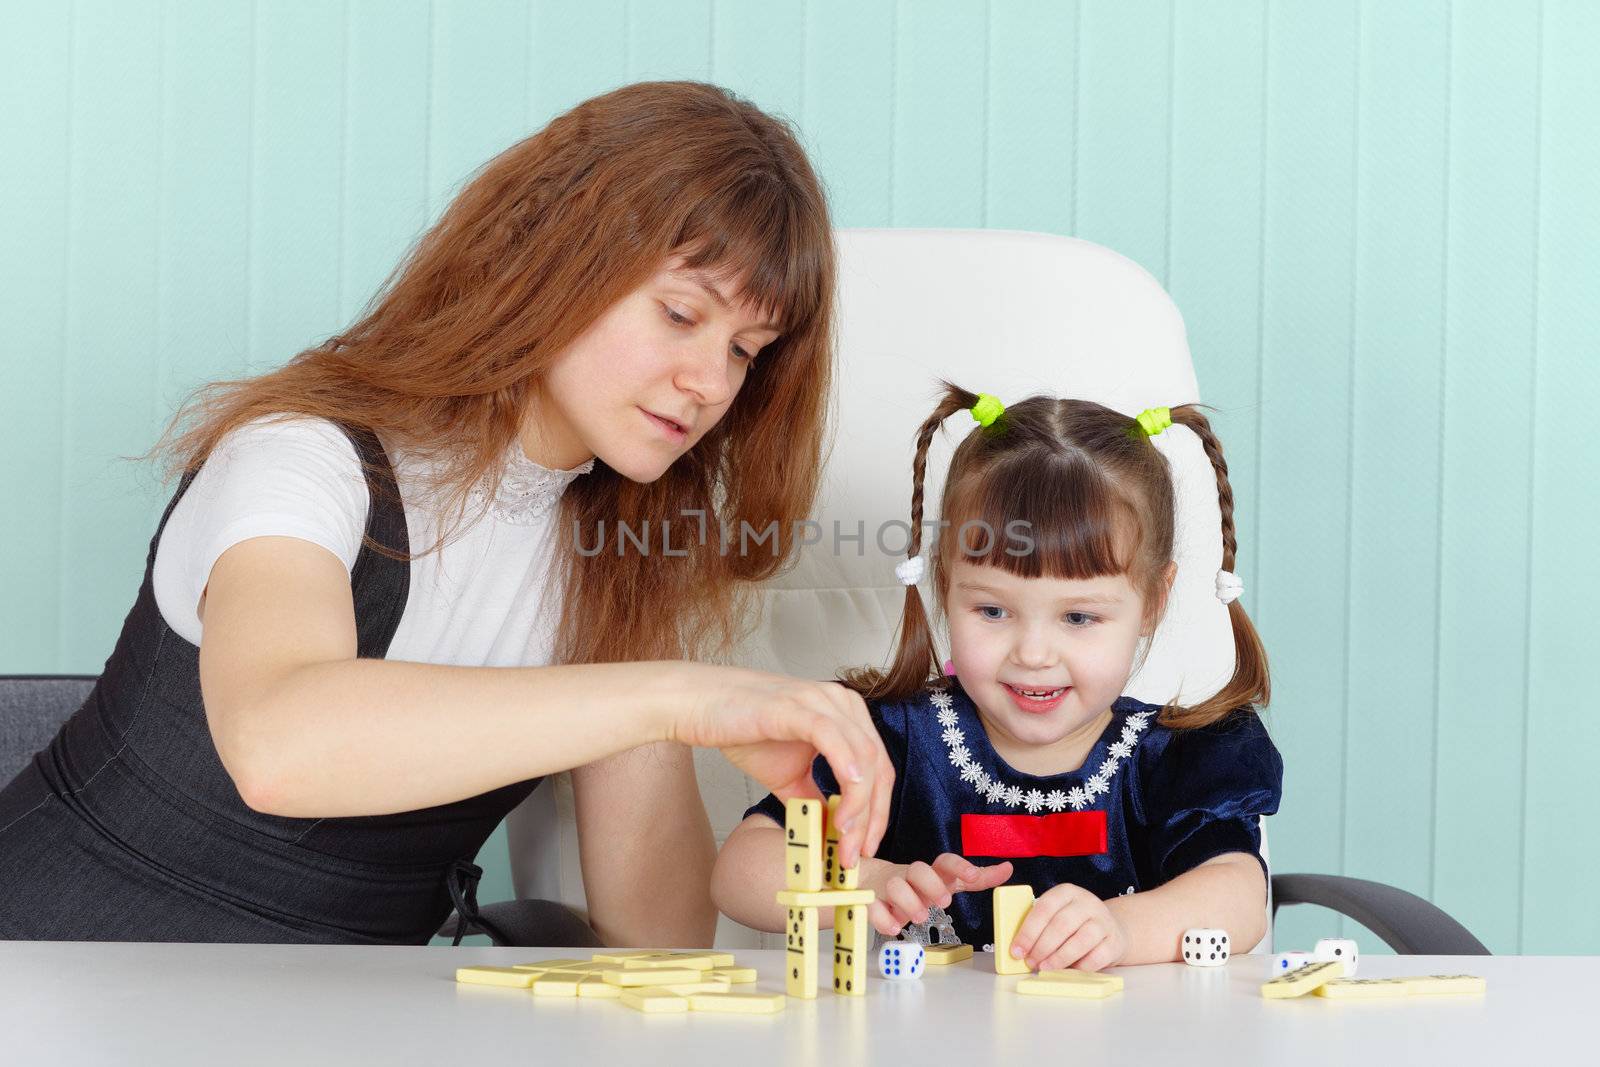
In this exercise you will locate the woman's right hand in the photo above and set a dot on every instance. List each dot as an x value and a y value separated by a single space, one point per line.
772 727
906 891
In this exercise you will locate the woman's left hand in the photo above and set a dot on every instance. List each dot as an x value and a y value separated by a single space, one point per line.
1070 927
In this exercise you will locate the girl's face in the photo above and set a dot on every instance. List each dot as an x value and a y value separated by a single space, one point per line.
649 378
1042 658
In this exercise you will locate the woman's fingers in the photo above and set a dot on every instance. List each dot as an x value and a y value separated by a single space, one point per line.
863 814
988 878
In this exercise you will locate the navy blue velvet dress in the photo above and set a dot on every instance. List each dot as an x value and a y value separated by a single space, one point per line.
1148 804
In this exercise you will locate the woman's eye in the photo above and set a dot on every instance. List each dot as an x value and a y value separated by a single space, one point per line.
742 354
1080 618
677 319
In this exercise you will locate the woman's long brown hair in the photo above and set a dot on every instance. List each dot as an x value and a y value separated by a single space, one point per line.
1097 498
541 241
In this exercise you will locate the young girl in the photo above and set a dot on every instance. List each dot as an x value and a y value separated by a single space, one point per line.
1131 822
364 634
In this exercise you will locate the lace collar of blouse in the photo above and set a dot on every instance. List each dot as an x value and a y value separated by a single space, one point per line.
527 492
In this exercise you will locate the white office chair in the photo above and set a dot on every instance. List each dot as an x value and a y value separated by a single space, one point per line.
1006 313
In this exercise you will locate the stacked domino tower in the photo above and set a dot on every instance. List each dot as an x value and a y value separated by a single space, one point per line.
815 879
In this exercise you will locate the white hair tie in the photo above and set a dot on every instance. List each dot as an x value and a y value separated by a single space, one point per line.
1229 586
910 571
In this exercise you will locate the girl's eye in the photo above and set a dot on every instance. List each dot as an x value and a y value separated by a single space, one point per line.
985 609
1080 618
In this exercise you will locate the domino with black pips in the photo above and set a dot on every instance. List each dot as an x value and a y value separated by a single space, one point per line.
851 931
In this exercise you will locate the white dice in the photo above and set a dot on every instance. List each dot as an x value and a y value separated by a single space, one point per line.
1284 962
1205 948
900 960
1337 948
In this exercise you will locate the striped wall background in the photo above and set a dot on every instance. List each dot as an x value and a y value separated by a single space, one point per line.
1380 219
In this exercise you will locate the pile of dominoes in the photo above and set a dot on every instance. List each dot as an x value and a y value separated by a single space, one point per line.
814 879
1329 971
646 981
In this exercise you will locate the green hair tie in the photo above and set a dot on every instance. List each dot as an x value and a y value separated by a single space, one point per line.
1153 420
987 409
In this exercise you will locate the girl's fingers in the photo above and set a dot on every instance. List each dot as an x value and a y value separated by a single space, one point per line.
904 903
1088 935
988 878
955 870
882 921
1098 958
928 885
1046 950
1033 924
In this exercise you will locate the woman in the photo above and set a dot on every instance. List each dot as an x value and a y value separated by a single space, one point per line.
372 617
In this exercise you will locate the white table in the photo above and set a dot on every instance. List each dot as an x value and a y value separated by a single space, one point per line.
71 1003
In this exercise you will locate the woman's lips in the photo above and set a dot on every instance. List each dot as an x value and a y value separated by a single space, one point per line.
675 433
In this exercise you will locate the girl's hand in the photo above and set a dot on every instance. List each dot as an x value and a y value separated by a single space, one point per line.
1070 927
906 892
772 726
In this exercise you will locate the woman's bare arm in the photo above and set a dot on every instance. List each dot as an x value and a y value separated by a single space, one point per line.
307 729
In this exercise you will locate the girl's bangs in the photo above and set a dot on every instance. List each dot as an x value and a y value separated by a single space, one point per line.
1047 520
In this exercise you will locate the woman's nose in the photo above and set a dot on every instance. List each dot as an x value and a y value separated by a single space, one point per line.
704 372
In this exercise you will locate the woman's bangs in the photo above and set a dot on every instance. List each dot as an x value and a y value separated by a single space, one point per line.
757 236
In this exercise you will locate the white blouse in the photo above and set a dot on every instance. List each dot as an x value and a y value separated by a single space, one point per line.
485 599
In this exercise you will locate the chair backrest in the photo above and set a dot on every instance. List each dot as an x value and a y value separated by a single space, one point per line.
1000 312
32 709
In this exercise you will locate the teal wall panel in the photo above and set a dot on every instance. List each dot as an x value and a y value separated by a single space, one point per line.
1379 220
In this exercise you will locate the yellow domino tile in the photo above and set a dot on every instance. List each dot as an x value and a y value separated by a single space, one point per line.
633 979
800 952
618 957
596 986
500 976
851 930
718 959
826 898
654 1001
1302 980
1041 986
743 1003
687 988
549 965
802 824
559 983
835 876
943 955
1363 988
1433 985
667 962
1112 982
1011 905
736 975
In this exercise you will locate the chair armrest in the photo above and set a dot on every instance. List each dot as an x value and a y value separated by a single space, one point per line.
1407 923
531 924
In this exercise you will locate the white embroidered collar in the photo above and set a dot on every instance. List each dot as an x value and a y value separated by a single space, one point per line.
528 491
995 790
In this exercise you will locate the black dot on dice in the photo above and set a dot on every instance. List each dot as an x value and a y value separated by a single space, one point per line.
1338 952
1213 941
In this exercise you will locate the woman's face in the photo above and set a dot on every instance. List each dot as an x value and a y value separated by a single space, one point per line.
649 378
